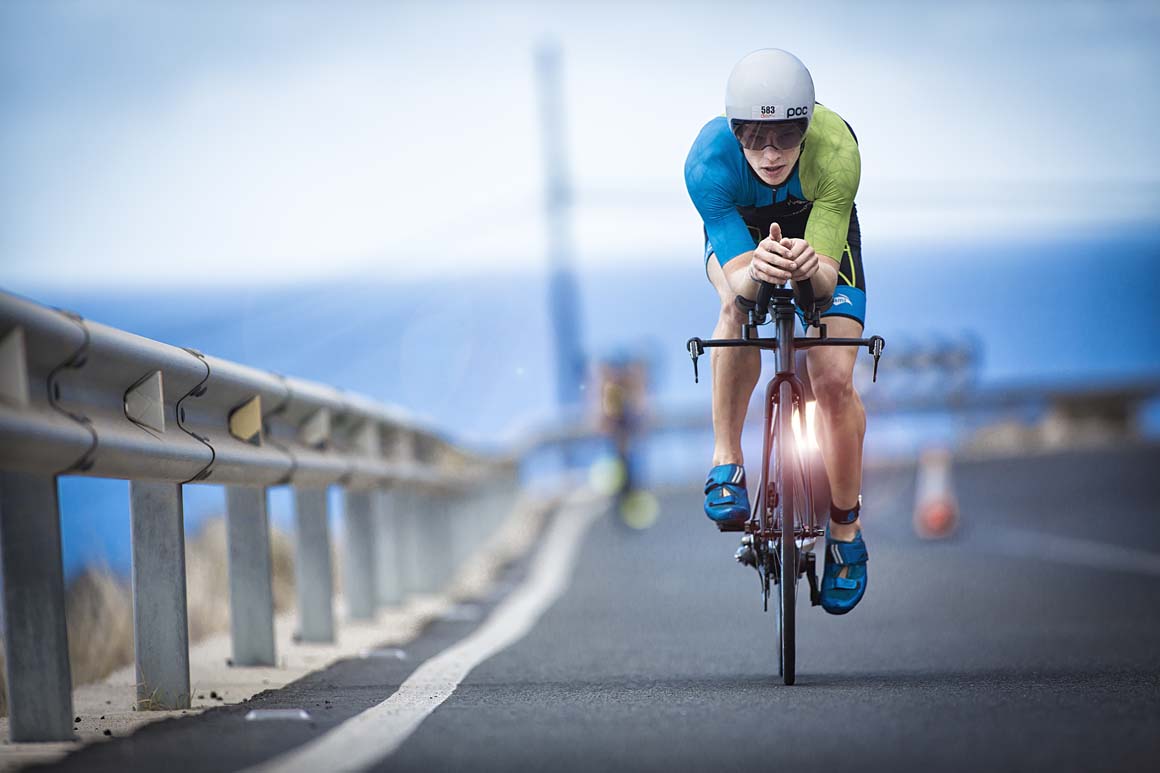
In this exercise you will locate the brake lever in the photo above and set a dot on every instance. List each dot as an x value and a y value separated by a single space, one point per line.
696 349
877 344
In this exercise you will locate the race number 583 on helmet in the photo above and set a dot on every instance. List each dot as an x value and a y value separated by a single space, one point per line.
769 99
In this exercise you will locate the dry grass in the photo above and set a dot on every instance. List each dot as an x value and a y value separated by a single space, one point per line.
99 612
207 584
99 604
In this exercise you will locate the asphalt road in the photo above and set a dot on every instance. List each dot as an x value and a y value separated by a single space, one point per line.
989 651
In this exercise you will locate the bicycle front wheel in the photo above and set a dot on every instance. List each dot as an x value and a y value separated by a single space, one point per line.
785 473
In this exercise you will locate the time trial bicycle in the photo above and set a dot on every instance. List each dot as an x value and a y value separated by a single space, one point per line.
783 524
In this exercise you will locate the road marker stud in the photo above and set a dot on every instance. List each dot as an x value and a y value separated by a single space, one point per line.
391 653
262 715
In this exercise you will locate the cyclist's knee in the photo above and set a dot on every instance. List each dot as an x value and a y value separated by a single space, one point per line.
731 313
832 387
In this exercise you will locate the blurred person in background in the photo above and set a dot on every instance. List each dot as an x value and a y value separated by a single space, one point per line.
774 181
623 392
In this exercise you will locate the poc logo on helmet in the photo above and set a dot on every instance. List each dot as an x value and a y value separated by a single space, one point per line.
797 112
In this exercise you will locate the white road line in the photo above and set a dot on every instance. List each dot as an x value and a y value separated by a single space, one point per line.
1082 552
374 734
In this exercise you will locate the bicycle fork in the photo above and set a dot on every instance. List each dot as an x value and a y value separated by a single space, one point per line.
807 564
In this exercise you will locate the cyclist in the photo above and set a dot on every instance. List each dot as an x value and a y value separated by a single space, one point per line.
622 409
774 182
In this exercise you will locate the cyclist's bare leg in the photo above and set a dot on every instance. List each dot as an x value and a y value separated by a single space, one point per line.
841 418
735 373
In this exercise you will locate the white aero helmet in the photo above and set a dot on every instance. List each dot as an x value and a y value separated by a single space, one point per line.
769 85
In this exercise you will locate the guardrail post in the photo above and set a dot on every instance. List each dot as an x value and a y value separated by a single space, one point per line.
160 623
503 493
35 635
462 528
312 568
478 518
251 586
496 495
360 556
428 544
388 573
403 502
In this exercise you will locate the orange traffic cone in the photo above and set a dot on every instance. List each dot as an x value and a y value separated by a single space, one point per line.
936 512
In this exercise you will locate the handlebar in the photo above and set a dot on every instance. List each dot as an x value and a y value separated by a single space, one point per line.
764 293
804 295
874 345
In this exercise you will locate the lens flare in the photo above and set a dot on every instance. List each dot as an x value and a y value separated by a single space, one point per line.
640 510
607 475
811 441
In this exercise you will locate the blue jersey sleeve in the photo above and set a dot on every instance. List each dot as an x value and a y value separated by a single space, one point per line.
710 186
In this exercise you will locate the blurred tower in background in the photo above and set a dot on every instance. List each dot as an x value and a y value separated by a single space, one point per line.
563 300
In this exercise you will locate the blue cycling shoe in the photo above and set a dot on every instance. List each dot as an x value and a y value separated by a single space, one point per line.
841 594
726 500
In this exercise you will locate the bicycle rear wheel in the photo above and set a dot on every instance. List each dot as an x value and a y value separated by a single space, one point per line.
780 639
787 473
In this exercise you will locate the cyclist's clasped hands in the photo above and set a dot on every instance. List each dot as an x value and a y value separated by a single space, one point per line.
778 259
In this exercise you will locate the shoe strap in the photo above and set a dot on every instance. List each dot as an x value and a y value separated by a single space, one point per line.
846 552
725 475
722 495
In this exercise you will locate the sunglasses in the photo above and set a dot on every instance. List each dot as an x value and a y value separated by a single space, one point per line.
782 135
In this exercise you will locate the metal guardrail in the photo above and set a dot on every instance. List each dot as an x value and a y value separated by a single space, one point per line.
81 398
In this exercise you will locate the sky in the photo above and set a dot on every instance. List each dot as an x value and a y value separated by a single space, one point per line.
282 142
